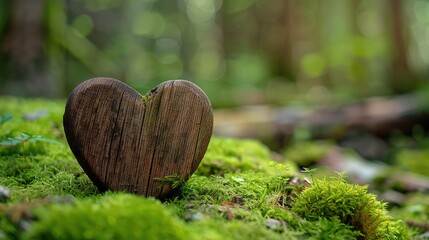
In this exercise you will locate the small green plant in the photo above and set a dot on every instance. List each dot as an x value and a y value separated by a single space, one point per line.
263 196
310 172
24 138
174 181
21 140
146 98
5 118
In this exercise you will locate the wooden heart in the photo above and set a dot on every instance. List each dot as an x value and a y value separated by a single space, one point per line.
140 144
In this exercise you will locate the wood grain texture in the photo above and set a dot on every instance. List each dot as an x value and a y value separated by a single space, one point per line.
127 142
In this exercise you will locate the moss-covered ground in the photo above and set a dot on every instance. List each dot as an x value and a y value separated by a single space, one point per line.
240 191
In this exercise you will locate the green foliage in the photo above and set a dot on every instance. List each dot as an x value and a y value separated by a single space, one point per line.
415 212
305 153
24 138
7 229
189 39
313 65
14 144
5 118
351 204
113 216
414 160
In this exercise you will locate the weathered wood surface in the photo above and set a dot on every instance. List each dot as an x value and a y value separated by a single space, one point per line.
128 142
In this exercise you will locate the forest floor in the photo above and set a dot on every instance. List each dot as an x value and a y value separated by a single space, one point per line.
307 189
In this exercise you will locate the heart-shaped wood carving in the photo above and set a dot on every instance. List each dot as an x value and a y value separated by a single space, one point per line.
140 144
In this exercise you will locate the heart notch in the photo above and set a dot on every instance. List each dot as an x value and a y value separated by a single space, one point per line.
139 144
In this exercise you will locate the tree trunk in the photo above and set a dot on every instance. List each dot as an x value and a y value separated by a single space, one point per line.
23 57
402 79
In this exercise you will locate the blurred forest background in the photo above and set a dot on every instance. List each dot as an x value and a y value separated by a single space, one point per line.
240 52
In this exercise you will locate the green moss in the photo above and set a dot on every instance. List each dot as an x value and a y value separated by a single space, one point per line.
238 192
113 216
414 160
218 189
36 169
174 181
146 98
331 228
232 155
334 198
41 175
236 230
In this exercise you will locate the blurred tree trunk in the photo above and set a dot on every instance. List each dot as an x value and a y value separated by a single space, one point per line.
402 79
276 27
23 58
361 66
288 23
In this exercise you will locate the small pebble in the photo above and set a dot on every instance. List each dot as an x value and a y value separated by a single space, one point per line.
32 116
67 199
4 194
274 224
238 199
189 206
24 225
208 207
194 216
393 197
238 179
424 235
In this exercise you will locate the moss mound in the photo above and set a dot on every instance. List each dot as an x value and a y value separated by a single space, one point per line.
112 216
333 198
